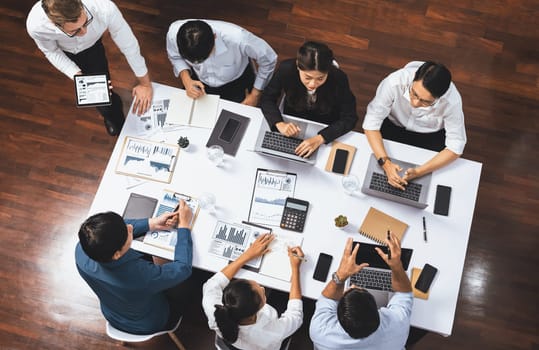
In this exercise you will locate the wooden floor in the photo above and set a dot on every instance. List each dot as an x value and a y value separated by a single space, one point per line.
53 155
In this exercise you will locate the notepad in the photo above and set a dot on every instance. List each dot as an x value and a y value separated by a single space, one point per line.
276 262
376 224
184 110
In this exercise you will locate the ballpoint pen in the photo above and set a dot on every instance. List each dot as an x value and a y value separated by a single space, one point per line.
388 238
424 230
299 257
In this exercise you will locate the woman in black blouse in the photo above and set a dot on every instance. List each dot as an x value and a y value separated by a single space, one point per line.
314 89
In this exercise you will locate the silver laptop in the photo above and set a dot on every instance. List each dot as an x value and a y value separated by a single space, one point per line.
276 145
375 184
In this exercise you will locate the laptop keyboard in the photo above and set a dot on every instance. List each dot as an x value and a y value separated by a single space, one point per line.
278 142
379 183
372 279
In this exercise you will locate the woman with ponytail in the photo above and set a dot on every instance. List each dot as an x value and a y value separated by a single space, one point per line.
237 309
314 88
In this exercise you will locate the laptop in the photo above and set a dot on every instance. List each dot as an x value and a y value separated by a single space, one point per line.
377 276
275 144
375 184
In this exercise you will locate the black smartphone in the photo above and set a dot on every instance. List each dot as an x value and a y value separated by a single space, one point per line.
441 203
425 278
322 267
339 164
229 131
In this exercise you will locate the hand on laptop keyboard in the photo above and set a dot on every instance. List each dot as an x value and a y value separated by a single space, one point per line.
392 173
288 129
308 146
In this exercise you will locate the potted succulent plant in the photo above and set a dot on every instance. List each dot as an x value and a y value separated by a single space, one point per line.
341 221
183 142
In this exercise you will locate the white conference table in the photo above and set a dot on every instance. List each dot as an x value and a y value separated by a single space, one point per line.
232 185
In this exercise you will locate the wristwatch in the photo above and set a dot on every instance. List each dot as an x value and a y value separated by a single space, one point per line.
336 278
382 160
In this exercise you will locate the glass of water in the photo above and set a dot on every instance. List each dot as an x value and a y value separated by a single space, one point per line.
206 201
350 183
216 154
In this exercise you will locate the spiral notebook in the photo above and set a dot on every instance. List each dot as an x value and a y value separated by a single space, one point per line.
376 224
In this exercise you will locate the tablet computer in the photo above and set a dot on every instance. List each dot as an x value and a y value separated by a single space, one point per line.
92 90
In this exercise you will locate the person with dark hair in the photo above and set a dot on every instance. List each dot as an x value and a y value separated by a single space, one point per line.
214 57
237 309
420 106
69 33
136 295
351 320
314 88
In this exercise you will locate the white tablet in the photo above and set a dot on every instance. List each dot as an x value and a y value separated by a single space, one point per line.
92 90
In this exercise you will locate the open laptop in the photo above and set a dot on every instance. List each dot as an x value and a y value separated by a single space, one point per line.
276 145
375 184
377 276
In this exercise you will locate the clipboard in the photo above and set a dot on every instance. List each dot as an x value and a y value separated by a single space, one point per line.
331 158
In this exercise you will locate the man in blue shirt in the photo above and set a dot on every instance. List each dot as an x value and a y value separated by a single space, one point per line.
132 290
351 319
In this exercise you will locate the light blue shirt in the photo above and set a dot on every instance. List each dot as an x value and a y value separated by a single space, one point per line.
233 48
327 334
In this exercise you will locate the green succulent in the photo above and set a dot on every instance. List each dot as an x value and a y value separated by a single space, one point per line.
341 221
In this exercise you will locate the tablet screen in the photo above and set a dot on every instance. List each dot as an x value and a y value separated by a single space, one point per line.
92 90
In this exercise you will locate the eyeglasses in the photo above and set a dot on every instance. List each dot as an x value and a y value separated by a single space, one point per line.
72 33
422 102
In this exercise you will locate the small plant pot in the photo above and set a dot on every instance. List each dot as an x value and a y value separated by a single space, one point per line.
341 221
183 142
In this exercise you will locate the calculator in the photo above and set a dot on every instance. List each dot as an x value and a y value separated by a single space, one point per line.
294 214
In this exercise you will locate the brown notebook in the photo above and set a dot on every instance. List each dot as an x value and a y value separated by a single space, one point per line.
376 224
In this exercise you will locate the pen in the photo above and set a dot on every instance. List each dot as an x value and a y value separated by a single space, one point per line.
299 257
388 238
424 230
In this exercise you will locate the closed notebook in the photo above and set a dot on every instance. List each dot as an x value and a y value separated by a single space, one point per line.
376 224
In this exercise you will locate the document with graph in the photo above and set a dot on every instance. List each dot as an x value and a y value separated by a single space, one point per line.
270 190
230 240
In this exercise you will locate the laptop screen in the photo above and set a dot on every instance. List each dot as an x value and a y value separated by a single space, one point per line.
367 254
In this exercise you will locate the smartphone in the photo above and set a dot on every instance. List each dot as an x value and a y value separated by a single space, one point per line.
441 203
322 267
229 131
425 278
339 164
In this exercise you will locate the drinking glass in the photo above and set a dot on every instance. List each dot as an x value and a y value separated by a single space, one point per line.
206 201
350 183
216 154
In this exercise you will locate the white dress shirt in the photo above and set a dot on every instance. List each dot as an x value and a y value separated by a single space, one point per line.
268 332
327 333
233 48
52 41
392 100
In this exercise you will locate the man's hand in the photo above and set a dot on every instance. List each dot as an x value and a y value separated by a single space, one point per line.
394 246
392 172
184 215
162 222
259 247
348 265
142 93
296 256
288 129
308 146
251 98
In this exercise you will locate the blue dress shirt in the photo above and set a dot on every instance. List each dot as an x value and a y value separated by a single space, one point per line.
131 289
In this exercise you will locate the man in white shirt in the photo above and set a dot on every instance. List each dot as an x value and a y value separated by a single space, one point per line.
214 57
350 320
69 33
420 106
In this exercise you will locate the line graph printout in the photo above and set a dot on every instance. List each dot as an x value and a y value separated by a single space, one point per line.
230 240
270 191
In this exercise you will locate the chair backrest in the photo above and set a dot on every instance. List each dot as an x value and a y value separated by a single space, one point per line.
119 335
220 344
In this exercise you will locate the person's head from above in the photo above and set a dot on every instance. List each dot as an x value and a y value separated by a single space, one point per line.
431 81
195 41
70 16
357 313
314 61
105 237
242 299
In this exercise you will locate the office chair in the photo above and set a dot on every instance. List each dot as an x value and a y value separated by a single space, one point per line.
221 345
124 337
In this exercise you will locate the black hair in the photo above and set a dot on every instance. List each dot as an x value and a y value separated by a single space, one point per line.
435 76
317 56
195 40
239 300
357 313
101 235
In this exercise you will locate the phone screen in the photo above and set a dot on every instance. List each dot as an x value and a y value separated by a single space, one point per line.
322 267
425 278
230 129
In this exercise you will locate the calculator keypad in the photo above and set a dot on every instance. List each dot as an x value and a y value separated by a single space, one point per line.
293 219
